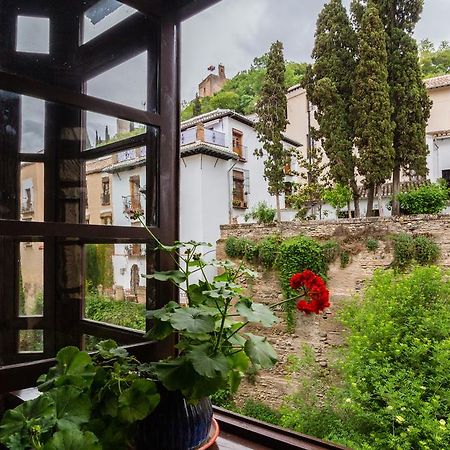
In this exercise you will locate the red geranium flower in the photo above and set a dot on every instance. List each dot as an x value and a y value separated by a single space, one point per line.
314 288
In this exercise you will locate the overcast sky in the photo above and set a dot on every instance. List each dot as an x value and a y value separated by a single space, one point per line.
233 32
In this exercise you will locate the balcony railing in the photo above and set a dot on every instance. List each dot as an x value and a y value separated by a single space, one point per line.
131 203
105 198
210 137
241 151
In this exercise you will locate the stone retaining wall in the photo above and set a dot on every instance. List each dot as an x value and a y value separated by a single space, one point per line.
323 333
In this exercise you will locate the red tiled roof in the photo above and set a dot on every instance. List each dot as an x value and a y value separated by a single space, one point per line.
437 82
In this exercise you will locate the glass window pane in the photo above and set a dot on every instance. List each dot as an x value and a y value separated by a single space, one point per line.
102 16
31 341
31 279
125 84
116 290
32 125
116 185
33 34
32 191
102 130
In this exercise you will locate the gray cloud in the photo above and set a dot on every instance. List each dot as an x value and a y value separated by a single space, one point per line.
234 32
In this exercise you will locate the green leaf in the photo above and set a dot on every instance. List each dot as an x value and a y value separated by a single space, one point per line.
39 412
260 352
206 363
175 276
192 321
175 374
72 367
159 331
164 313
195 293
73 407
138 401
257 312
73 439
109 349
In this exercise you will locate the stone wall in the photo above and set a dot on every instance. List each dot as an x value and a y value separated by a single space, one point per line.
323 333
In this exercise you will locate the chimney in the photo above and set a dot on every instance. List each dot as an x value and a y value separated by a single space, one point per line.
200 132
123 126
221 71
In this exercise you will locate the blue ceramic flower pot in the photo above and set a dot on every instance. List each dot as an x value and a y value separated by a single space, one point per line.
175 424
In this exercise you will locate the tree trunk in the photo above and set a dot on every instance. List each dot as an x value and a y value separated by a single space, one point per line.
380 205
355 198
370 195
396 190
277 200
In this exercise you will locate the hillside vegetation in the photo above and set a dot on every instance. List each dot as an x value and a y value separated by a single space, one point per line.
242 92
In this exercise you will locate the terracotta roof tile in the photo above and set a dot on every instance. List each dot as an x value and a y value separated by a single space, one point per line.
437 82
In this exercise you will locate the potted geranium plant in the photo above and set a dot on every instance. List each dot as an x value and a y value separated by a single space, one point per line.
113 394
214 348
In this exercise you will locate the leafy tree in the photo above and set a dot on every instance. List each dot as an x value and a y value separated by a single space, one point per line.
308 194
338 196
409 99
328 84
434 62
272 112
242 92
371 105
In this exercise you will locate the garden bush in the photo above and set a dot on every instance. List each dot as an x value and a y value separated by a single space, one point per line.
345 259
262 213
372 244
427 251
260 411
427 199
398 361
268 250
409 249
394 391
121 313
331 251
240 248
295 255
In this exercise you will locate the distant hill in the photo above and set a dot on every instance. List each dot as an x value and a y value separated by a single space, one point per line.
242 91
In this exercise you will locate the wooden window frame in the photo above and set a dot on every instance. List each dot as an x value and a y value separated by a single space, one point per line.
41 77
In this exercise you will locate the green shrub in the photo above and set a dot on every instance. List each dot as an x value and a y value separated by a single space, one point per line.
268 250
427 199
398 361
224 399
296 255
404 250
331 251
231 247
260 411
409 249
116 312
262 213
250 250
345 259
394 391
427 251
372 244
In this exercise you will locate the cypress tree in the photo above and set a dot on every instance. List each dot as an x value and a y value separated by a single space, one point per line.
197 108
272 120
409 99
371 105
329 84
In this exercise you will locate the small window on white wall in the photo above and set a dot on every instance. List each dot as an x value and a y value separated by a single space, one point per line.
33 34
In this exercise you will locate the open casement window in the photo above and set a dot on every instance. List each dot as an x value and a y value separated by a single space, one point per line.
237 143
240 188
89 85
